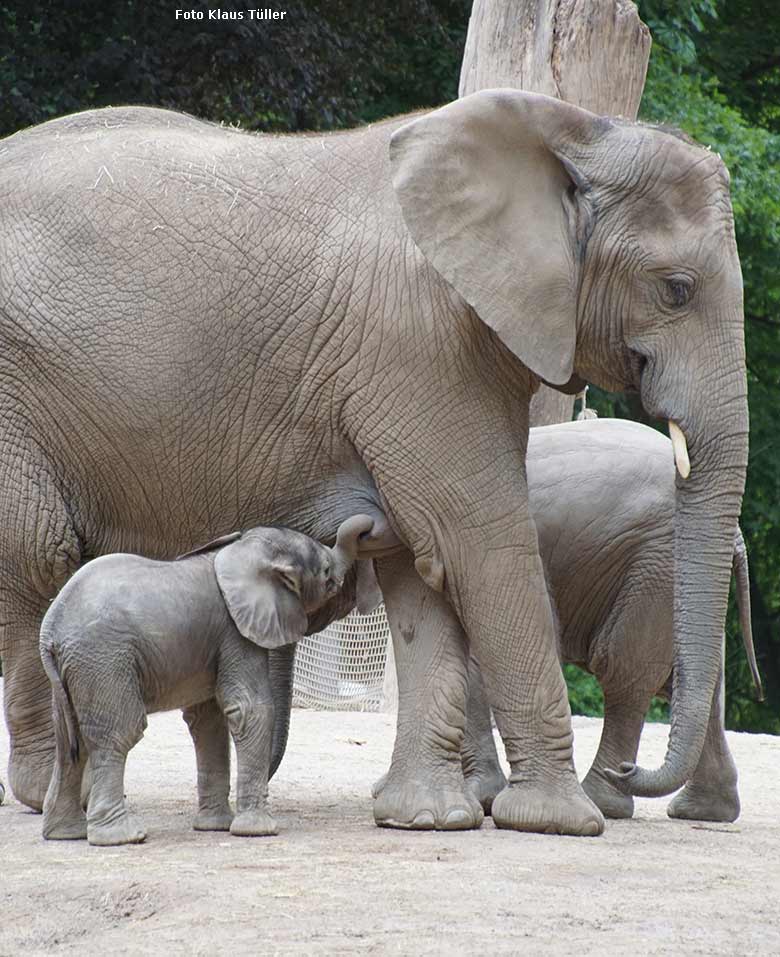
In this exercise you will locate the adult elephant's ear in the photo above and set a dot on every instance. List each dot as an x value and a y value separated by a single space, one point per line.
493 189
262 590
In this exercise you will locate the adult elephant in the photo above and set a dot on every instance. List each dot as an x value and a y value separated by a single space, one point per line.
203 329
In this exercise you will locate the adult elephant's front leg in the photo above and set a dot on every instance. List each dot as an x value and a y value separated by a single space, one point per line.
483 550
509 619
424 787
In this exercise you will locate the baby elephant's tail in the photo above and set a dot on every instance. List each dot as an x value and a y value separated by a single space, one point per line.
63 710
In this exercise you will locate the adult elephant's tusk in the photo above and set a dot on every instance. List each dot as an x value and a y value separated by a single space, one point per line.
680 447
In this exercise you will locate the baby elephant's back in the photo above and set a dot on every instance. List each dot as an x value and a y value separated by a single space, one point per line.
124 611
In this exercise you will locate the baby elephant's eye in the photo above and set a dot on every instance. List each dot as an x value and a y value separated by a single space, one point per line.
678 291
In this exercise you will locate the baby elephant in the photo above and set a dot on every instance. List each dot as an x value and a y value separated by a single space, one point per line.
128 636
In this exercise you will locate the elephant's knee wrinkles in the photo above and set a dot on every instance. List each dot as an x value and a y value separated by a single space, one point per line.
243 716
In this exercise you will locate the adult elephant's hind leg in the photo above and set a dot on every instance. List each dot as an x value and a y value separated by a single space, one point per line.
209 731
425 788
39 550
27 699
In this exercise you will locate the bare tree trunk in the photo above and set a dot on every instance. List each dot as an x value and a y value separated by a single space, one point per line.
592 53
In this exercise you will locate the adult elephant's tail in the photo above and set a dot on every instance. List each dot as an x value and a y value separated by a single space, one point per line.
742 579
63 710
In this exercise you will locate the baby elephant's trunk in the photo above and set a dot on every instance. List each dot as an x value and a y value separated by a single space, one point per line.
345 551
63 710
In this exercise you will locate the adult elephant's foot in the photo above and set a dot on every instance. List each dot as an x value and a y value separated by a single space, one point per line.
557 805
29 773
120 828
254 823
213 819
427 804
696 803
611 802
377 786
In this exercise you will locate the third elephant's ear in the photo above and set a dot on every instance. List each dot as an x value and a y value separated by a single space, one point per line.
492 193
262 590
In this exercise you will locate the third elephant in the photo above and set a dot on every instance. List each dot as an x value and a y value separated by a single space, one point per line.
602 497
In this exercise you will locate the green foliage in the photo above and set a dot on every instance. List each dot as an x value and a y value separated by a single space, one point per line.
330 63
586 696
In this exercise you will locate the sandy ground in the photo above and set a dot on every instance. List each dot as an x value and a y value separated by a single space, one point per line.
333 883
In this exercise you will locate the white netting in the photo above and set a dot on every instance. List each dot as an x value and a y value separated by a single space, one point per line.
343 667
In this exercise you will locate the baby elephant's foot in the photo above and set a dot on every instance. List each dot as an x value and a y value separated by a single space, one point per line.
705 804
420 806
557 805
213 819
611 802
255 823
122 828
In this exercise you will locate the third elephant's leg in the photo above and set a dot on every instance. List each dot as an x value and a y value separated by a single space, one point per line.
711 794
481 766
209 732
624 717
424 787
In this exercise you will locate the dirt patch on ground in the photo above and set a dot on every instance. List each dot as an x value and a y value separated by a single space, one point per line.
333 883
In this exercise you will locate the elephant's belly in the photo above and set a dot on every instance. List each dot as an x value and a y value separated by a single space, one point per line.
181 693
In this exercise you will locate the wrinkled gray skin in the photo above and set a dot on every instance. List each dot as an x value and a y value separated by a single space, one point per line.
204 330
602 497
128 636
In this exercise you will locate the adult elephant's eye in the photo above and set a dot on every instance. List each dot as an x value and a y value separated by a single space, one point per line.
678 291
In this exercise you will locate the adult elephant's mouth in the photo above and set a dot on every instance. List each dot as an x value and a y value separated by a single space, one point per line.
637 366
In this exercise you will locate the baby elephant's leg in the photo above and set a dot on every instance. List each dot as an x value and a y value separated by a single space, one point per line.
244 693
63 812
209 732
111 729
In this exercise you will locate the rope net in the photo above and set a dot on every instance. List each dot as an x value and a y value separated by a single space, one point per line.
343 667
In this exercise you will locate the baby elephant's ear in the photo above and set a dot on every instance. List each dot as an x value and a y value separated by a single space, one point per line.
262 592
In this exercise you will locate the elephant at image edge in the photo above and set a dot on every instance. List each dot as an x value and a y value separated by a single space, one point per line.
602 497
204 330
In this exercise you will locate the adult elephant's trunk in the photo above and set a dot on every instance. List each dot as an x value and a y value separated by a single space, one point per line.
281 663
706 514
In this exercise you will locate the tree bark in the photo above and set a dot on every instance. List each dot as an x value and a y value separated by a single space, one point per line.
592 53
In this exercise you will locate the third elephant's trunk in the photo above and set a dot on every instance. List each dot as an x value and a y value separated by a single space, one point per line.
706 514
